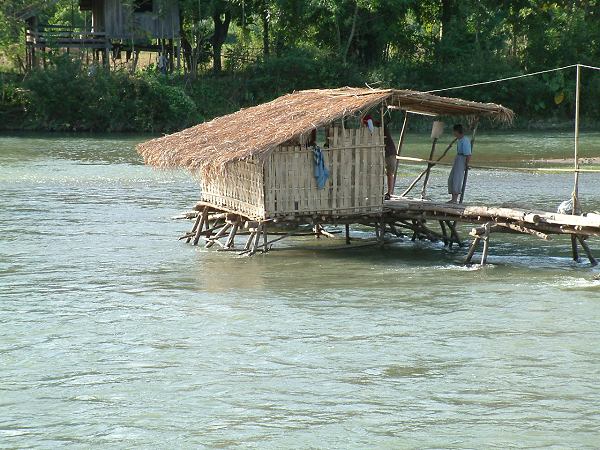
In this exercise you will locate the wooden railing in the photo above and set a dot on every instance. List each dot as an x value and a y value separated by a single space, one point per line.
59 35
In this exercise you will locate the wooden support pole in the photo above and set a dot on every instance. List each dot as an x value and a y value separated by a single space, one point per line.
429 166
250 240
203 221
415 233
575 194
219 235
194 228
400 144
574 250
472 249
486 244
231 238
444 232
347 227
454 237
486 248
254 243
265 238
587 250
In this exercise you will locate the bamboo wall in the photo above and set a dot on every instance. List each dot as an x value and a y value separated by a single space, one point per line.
356 163
240 189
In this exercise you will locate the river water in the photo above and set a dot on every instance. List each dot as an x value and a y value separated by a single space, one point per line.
115 334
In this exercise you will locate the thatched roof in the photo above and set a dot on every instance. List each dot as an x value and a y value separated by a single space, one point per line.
258 130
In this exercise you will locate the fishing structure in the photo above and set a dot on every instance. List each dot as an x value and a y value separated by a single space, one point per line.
264 177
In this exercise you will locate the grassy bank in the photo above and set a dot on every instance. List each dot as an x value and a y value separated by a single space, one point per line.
67 96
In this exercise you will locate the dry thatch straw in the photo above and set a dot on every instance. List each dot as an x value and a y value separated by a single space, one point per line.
256 131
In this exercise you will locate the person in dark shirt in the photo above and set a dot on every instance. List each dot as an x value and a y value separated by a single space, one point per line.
390 161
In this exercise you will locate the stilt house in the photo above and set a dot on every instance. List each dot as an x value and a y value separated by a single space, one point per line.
110 26
259 162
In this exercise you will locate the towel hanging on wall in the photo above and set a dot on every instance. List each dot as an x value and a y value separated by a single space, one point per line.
321 172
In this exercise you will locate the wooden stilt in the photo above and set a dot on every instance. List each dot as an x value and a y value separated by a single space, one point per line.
265 238
486 247
400 144
575 195
587 250
429 166
219 235
250 240
347 228
254 243
203 222
472 249
194 228
231 238
574 250
454 237
444 232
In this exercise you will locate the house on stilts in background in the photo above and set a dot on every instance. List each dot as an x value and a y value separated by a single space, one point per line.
111 28
308 159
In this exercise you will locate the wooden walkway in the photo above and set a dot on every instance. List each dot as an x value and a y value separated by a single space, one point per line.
421 214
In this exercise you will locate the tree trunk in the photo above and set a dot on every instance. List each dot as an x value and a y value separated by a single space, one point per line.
448 10
219 36
352 31
266 18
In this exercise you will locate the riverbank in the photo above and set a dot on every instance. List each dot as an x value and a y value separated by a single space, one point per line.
66 96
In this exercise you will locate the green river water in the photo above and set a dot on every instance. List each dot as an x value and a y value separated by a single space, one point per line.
114 334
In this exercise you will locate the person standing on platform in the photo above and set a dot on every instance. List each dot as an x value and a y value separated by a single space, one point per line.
461 162
390 161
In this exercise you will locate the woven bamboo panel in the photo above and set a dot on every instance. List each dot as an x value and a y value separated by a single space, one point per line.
356 163
240 189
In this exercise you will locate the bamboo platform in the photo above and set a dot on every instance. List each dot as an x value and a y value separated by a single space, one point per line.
401 217
493 219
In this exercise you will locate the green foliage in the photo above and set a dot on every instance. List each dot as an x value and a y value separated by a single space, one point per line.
68 97
271 47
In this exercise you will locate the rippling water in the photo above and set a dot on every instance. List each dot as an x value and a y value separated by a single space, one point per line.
115 334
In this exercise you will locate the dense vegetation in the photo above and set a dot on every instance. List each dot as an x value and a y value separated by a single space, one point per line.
241 52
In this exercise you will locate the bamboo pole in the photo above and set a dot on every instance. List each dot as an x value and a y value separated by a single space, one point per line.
444 232
265 238
429 166
428 161
575 194
195 227
400 144
231 239
587 250
471 251
486 244
203 221
574 250
219 235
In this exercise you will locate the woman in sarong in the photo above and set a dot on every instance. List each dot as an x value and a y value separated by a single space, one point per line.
463 156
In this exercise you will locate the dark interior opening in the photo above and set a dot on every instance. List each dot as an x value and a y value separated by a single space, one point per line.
142 6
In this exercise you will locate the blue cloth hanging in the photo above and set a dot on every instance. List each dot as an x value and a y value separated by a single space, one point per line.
321 172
